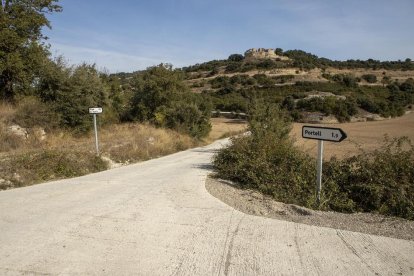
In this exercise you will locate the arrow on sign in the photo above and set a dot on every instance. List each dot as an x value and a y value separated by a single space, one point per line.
323 133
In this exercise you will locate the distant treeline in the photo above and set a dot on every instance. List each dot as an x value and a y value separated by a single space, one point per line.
299 59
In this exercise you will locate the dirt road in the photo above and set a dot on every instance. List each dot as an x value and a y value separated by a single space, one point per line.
156 218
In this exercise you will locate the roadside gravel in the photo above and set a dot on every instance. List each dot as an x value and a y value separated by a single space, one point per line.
254 203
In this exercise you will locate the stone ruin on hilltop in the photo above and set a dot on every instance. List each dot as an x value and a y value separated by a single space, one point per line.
263 53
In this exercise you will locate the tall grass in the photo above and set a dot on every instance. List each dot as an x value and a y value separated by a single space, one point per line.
26 161
135 142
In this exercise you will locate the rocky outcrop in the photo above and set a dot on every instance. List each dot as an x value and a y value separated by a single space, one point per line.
38 132
18 131
322 95
263 53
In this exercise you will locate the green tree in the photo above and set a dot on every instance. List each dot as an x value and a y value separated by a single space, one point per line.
279 51
22 48
84 89
70 91
236 57
268 120
162 98
156 87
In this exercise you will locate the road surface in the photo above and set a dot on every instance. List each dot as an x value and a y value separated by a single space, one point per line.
156 218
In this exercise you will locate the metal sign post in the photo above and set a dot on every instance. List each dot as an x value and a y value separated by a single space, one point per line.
322 134
94 111
319 171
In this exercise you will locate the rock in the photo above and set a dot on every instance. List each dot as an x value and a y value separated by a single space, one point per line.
112 164
39 133
151 140
17 176
322 95
18 131
5 184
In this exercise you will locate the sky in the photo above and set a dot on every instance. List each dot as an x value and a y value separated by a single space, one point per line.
128 35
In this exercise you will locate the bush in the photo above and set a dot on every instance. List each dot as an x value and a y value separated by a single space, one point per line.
187 118
267 161
341 109
40 166
31 112
370 78
162 98
381 181
236 57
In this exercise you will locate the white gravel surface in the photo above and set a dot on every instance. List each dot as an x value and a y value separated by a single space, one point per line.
156 218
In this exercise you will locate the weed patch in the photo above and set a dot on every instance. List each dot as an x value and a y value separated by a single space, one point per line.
35 167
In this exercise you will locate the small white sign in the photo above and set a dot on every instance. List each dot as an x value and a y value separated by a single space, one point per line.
95 110
323 133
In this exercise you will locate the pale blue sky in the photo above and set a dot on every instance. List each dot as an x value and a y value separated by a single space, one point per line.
127 35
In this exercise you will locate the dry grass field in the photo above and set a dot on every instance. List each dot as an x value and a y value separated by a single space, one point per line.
364 135
224 127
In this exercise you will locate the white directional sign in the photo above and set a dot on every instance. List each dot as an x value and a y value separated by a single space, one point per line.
95 110
323 133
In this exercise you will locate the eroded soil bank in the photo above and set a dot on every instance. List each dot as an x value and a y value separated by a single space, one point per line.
254 203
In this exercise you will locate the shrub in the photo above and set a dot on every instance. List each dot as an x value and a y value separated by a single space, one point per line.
40 166
162 98
187 118
381 181
267 161
370 78
236 57
9 141
31 112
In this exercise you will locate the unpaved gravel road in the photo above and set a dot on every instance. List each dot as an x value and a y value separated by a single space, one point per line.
156 218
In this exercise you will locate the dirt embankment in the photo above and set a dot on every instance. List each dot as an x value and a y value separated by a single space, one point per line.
254 203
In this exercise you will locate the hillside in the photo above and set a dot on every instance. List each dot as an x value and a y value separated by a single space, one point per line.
308 86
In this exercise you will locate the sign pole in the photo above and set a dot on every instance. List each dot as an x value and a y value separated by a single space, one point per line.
94 111
322 134
96 134
319 172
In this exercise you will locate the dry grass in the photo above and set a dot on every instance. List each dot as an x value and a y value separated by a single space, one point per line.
135 142
365 135
8 141
224 127
26 161
7 111
399 75
362 135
